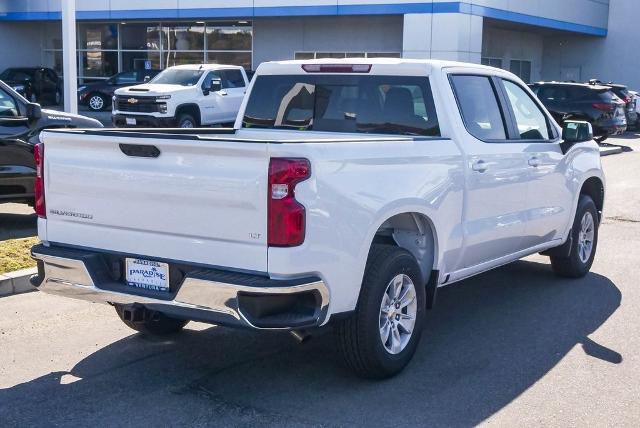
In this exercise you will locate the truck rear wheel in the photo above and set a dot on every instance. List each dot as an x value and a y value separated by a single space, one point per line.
584 233
149 322
379 340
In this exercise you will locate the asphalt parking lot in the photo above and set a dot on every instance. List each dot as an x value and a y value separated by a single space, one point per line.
515 346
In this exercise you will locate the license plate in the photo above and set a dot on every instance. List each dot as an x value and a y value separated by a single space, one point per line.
131 120
147 274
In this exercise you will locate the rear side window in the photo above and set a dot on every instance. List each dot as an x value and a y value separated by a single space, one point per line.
343 103
479 107
232 79
531 121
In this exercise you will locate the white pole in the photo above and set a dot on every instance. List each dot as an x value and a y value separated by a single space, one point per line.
69 56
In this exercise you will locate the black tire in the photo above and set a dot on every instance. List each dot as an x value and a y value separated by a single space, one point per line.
184 119
575 265
358 337
97 102
151 323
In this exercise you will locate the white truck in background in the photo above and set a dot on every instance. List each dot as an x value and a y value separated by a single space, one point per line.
346 194
184 96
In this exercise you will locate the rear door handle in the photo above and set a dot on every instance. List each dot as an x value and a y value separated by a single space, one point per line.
480 166
534 162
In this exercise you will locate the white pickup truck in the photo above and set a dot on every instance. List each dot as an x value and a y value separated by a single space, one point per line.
346 194
184 96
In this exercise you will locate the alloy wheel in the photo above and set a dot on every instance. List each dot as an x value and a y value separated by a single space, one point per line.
585 237
398 312
96 102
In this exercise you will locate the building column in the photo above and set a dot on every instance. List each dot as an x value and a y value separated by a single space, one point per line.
69 56
447 36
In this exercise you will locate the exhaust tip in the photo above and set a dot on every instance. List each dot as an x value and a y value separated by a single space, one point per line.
301 336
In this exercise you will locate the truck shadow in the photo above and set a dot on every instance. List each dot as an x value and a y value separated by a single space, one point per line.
489 339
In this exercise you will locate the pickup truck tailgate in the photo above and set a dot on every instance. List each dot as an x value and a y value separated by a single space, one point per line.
204 201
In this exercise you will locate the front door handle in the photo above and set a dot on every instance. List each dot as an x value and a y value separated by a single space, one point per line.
480 166
534 162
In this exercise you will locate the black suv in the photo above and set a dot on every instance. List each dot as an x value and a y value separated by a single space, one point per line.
37 84
623 93
20 124
596 104
97 95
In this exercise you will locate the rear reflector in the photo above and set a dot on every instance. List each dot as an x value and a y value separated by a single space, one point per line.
336 68
38 187
286 216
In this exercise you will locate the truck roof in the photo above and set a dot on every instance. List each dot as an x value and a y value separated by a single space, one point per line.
380 65
203 66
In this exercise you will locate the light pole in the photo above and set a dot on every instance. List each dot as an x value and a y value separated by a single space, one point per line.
69 56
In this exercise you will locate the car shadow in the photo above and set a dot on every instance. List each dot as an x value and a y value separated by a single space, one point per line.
488 340
15 226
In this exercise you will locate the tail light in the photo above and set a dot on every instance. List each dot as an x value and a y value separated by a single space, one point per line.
604 106
337 68
38 187
286 217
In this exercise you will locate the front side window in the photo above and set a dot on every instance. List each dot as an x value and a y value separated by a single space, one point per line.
349 103
8 107
213 75
531 121
479 107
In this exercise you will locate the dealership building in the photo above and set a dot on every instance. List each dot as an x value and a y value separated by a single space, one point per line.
536 39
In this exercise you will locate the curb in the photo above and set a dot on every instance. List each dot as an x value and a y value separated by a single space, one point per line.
16 282
610 150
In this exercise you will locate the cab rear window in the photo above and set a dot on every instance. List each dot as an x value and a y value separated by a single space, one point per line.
348 103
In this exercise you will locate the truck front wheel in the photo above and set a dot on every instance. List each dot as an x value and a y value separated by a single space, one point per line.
149 322
186 121
584 235
380 338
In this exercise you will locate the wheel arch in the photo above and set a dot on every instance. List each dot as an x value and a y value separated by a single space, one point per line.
190 108
594 188
416 233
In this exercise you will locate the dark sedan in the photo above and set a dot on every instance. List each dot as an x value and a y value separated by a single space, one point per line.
37 84
595 104
97 95
20 124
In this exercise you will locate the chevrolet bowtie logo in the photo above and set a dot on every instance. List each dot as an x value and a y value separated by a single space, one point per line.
132 101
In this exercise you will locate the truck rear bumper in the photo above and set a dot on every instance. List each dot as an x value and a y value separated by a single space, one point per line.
207 295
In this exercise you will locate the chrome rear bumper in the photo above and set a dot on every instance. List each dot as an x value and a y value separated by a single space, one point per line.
207 295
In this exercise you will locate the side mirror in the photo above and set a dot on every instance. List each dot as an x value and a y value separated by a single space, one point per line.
34 111
214 86
574 132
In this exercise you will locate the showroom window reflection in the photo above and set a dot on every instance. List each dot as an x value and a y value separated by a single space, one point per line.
105 49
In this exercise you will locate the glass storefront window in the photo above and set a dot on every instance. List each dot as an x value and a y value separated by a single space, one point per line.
183 38
98 64
144 37
305 55
229 38
230 58
179 58
53 59
105 48
52 35
140 60
98 36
